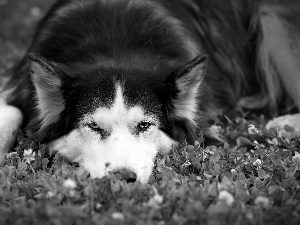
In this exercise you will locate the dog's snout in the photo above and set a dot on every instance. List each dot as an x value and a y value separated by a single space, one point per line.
126 175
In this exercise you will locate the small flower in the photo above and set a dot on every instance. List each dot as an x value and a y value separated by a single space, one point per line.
258 146
233 172
226 197
250 216
29 155
28 152
158 198
207 151
69 183
252 129
117 216
257 162
155 201
10 154
216 128
209 176
214 131
49 194
263 201
248 155
71 192
186 164
98 205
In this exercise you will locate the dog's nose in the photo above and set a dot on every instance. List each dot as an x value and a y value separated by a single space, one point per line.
126 175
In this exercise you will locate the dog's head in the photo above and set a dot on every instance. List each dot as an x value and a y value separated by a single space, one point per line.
111 118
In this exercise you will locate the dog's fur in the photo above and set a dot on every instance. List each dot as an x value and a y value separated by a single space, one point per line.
119 80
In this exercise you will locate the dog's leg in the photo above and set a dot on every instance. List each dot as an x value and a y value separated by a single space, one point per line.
10 120
279 55
282 121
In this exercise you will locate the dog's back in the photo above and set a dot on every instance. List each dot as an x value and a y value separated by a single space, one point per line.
253 48
231 32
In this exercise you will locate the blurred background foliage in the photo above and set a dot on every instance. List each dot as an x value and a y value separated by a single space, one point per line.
18 19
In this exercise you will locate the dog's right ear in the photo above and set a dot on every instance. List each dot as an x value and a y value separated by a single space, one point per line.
48 89
42 71
186 84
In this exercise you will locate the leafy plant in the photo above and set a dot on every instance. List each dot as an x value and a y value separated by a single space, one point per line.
251 179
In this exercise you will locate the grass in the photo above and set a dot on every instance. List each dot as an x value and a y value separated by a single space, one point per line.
253 178
245 182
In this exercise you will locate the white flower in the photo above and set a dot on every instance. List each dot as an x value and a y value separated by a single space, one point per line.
10 154
250 216
226 197
49 194
117 216
259 146
28 152
233 172
71 192
252 129
155 201
263 201
29 155
69 183
98 205
207 151
216 128
248 155
214 132
158 198
257 162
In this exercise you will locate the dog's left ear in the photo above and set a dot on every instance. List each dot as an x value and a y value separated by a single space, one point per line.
186 83
48 89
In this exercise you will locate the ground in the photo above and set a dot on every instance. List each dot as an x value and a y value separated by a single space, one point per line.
251 178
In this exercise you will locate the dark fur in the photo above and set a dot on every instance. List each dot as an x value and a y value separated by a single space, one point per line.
109 39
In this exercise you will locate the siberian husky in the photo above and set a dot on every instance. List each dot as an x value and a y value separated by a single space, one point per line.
117 81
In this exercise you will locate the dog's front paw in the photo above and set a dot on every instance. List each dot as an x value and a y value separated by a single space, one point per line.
289 120
10 120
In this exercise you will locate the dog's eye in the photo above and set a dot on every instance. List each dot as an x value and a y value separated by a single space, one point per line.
94 127
144 126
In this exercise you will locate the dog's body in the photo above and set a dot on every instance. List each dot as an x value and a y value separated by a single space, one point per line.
116 81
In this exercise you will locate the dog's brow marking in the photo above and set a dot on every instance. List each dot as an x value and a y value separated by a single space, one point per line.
119 113
119 104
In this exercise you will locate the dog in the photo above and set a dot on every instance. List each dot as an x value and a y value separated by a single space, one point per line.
110 83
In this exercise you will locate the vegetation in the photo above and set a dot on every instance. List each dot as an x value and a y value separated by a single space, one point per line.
255 180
